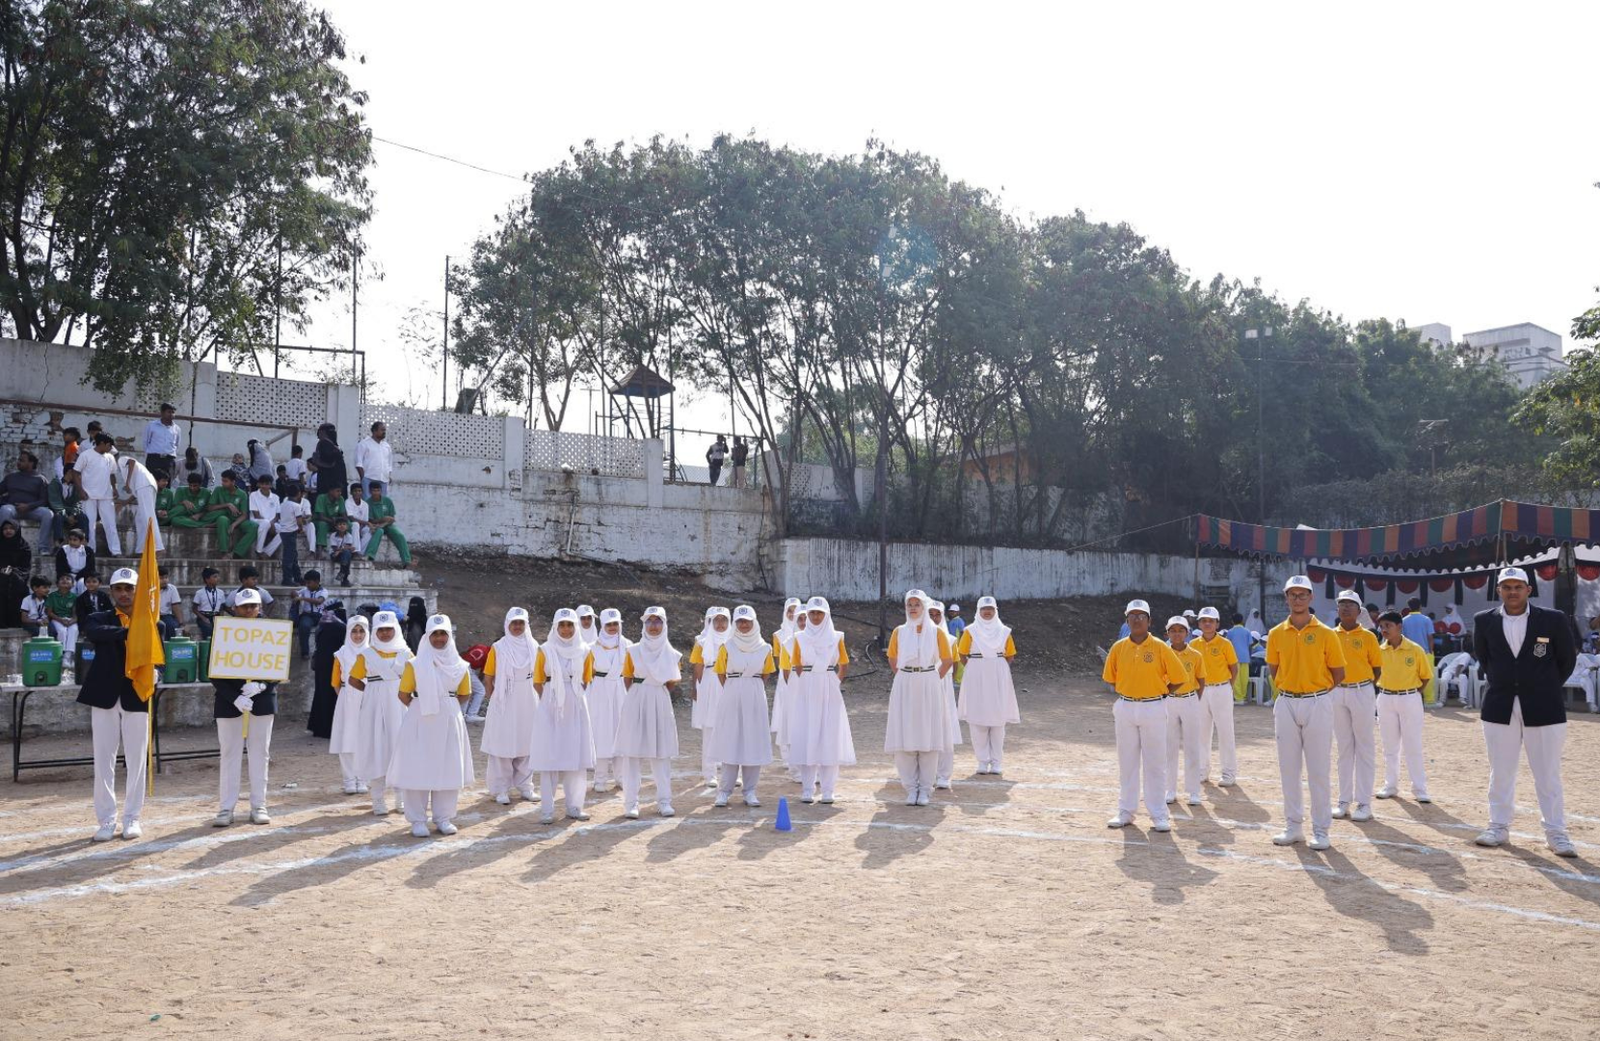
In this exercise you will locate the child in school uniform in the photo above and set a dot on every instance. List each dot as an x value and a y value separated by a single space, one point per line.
342 548
244 710
819 726
347 705
919 727
61 607
606 691
587 630
264 514
701 656
377 673
647 732
563 744
35 612
947 756
432 758
988 696
508 727
781 639
741 734
75 559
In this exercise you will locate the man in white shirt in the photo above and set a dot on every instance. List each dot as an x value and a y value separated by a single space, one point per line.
264 511
355 507
96 470
294 513
140 485
375 460
163 442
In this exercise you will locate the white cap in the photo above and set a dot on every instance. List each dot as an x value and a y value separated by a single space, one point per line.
817 603
744 611
1135 605
1178 621
1347 594
585 611
124 576
1511 574
439 623
1210 612
385 620
917 594
246 596
954 608
609 615
1298 582
1188 612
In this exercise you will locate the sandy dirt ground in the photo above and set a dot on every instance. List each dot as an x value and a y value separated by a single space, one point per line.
1005 910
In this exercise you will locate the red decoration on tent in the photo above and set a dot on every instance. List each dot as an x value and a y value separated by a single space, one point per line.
1344 581
1407 585
1439 627
1316 575
1589 572
1455 628
1441 585
1548 572
1475 581
1377 585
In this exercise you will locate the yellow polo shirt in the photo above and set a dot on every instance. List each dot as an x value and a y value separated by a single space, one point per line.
1194 669
541 676
1360 647
1219 657
1404 667
1143 671
408 681
940 638
1304 657
964 644
780 653
721 667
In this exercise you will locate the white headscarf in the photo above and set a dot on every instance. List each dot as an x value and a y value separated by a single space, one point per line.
347 654
653 656
709 639
819 644
787 627
560 652
586 633
750 643
514 654
437 672
914 648
395 643
988 635
608 650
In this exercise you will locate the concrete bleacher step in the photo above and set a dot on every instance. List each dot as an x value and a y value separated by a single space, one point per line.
186 571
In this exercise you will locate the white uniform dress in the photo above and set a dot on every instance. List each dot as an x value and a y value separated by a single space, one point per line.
605 707
988 696
378 726
647 731
507 740
432 756
819 726
919 725
947 756
342 739
742 734
702 716
563 744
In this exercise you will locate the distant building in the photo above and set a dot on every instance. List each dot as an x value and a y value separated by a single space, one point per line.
1530 353
1436 333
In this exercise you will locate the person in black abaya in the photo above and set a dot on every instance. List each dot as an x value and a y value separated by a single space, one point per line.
16 562
330 637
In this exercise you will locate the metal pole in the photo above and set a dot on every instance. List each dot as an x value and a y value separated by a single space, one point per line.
1261 466
355 277
277 315
444 389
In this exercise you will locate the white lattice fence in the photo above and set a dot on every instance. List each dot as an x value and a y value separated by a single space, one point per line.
417 432
262 399
611 456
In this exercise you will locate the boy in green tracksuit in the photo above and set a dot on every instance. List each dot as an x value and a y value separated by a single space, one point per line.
229 512
380 516
166 499
190 504
328 508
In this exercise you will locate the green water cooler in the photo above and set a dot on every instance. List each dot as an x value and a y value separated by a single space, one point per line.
41 662
205 660
183 661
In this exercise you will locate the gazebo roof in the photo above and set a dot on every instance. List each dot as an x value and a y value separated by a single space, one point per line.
643 383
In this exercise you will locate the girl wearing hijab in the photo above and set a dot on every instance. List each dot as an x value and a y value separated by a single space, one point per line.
507 740
780 655
416 622
740 734
587 630
702 656
347 704
918 728
988 698
947 756
647 732
432 757
376 673
819 727
331 634
606 691
16 564
563 744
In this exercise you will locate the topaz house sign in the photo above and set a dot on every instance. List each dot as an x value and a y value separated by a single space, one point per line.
250 649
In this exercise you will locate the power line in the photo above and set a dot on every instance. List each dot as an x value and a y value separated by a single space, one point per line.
450 159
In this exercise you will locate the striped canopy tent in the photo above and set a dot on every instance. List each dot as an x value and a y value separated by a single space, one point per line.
1479 538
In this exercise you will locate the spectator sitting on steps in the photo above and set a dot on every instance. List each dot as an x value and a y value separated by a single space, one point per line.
24 496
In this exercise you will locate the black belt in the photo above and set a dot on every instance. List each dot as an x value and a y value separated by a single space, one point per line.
1292 694
1347 686
1399 693
1140 701
918 668
807 668
1191 694
601 675
973 654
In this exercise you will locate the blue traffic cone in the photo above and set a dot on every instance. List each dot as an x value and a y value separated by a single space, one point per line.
782 823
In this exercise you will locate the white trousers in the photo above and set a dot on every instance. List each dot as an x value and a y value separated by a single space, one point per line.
68 635
1543 745
1217 701
1186 730
988 743
1141 750
112 728
1400 719
608 770
823 777
1353 729
918 770
102 512
708 765
633 775
574 783
144 515
946 767
347 769
730 773
267 540
379 791
232 739
419 801
504 773
1304 729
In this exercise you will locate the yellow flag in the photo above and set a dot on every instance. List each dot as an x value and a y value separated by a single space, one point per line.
145 650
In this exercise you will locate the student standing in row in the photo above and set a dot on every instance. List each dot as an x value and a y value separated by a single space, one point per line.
432 758
606 693
118 717
1403 671
819 727
647 732
919 727
988 696
947 684
1216 696
343 740
701 657
586 626
377 673
742 729
1354 703
1185 716
244 710
563 744
781 641
1306 663
508 726
1143 671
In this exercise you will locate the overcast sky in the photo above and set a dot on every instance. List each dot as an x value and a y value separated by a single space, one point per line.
1417 161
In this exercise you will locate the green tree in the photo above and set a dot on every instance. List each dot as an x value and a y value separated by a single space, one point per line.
1566 410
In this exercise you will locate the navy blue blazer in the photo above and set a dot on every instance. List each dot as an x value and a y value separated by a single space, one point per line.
1533 677
107 683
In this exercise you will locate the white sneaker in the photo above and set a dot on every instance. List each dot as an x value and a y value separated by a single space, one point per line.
258 815
668 811
350 788
547 818
380 809
419 830
1319 840
1559 844
1388 791
632 814
577 815
1227 782
1341 811
911 797
1288 837
709 782
1193 800
1165 825
826 800
1493 835
721 801
504 798
922 797
131 830
943 786
751 800
808 797
447 827
1172 797
994 770
527 792
1423 797
1363 812
1121 820
222 819
362 789
106 833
